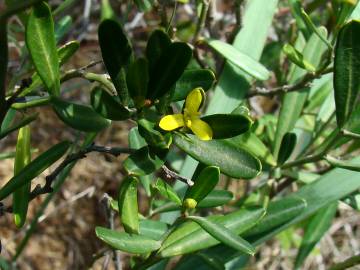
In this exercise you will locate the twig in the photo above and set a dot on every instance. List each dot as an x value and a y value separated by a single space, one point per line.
201 22
173 175
350 262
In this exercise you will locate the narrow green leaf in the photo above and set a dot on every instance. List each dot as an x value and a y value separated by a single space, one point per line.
30 102
128 204
137 80
67 50
316 228
142 162
62 27
228 125
34 168
22 158
232 160
240 60
116 52
190 237
3 61
343 164
193 78
107 11
168 69
224 235
295 7
167 191
278 213
25 121
346 71
144 5
297 58
205 182
78 116
40 40
136 142
286 148
107 106
131 243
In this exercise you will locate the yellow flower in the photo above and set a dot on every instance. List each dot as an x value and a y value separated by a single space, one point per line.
190 117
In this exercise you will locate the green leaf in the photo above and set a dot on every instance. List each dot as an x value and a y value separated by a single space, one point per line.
22 158
316 228
131 243
343 164
137 80
144 5
67 50
142 162
297 58
167 191
228 125
205 182
224 235
346 71
240 60
62 27
286 148
34 168
40 40
116 52
107 11
158 42
279 212
78 116
152 228
4 61
30 102
168 69
232 160
128 204
295 7
136 142
152 136
189 237
191 79
293 102
25 121
107 106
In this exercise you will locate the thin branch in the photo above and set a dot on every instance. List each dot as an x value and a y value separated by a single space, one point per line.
350 262
350 134
173 175
201 21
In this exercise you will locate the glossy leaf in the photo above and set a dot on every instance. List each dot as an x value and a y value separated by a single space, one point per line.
278 213
286 148
131 243
224 235
205 182
116 52
346 71
22 158
137 80
40 40
227 125
167 191
295 7
168 69
30 102
62 27
144 5
189 237
240 60
297 58
142 162
78 116
128 204
343 164
232 160
34 168
191 79
25 121
315 230
67 50
107 106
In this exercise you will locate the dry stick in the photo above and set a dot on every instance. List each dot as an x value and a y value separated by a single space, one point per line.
173 175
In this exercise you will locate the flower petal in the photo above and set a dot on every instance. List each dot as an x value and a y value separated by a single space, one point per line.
171 122
201 129
194 100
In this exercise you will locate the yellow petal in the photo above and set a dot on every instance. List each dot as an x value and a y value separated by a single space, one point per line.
201 129
171 122
194 100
